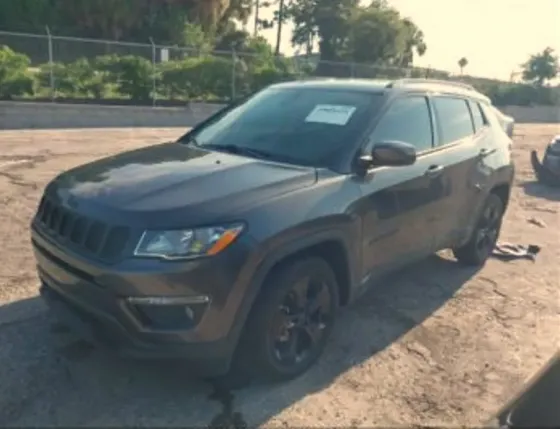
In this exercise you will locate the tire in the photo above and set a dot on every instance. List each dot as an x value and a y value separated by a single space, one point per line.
485 235
276 322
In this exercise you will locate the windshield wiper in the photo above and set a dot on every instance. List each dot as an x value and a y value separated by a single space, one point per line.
188 139
240 150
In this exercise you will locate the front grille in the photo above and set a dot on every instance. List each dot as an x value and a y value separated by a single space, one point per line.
85 235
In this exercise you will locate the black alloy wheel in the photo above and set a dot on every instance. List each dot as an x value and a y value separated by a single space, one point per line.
485 234
301 321
290 322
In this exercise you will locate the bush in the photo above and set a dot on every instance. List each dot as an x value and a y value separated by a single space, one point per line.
262 77
15 78
176 78
212 78
131 75
77 79
197 78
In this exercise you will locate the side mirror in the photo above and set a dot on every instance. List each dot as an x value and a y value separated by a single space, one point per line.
390 154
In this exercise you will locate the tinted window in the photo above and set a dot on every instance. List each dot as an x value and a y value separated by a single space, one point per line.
478 119
308 126
454 119
407 120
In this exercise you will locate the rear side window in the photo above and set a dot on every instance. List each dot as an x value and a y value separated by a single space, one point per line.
477 116
454 119
407 120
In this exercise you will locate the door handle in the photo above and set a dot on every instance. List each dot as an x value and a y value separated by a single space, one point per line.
484 152
434 170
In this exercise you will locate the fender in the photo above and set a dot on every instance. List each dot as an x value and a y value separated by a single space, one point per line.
276 255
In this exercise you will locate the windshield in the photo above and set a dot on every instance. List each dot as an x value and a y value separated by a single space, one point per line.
306 126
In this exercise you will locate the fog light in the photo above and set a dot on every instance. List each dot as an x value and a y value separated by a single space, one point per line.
169 313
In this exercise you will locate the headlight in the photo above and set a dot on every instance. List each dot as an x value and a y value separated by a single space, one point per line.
186 243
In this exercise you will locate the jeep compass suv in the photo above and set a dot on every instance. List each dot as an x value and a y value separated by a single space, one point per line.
233 247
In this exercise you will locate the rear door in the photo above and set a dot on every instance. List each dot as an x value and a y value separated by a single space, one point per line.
461 130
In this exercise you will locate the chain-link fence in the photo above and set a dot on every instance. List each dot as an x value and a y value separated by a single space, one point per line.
65 68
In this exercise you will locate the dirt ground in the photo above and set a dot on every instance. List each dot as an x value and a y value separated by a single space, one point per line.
435 345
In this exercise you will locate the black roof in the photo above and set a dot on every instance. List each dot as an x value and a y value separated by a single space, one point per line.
379 85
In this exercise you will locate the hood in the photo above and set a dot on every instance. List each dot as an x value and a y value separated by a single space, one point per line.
177 181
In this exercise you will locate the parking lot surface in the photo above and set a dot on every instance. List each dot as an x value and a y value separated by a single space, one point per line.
436 344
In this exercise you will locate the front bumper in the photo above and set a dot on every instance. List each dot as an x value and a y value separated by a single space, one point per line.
92 300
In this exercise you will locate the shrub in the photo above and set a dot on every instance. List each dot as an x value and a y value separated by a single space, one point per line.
77 79
211 77
197 78
265 76
15 78
176 79
131 75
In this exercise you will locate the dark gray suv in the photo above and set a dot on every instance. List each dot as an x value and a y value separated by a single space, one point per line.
234 247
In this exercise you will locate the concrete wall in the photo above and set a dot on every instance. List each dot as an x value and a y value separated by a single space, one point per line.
534 114
14 115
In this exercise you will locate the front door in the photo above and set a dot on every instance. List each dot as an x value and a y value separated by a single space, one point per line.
399 202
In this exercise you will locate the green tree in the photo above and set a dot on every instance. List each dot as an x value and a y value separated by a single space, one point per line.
259 22
347 31
328 20
463 62
239 10
413 43
376 35
280 19
27 15
541 67
134 20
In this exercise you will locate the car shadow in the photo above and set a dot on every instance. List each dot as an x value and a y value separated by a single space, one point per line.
538 190
52 377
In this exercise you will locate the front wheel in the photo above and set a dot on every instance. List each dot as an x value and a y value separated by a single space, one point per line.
291 320
485 234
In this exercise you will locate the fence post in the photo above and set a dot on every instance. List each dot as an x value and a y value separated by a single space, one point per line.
352 70
154 73
51 64
233 74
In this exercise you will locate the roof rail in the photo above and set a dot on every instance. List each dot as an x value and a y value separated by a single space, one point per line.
405 81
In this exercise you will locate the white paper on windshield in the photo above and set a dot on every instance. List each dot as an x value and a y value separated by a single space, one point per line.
331 114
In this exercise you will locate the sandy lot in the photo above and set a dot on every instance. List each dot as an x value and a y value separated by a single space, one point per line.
436 345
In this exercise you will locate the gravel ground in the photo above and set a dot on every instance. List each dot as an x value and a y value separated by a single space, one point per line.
436 345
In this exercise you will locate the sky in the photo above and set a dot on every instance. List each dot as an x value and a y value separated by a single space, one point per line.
496 36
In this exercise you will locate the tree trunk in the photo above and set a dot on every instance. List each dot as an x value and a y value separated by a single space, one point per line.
256 30
279 31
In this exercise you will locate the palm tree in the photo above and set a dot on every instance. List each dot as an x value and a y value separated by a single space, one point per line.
257 8
279 29
463 63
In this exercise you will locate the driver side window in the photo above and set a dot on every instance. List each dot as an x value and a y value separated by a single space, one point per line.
407 120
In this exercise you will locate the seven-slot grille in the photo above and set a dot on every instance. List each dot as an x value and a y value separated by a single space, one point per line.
94 237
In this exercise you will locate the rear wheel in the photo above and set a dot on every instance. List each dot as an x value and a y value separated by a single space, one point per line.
291 321
485 234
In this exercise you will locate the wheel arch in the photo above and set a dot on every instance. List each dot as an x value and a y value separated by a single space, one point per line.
503 191
329 246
